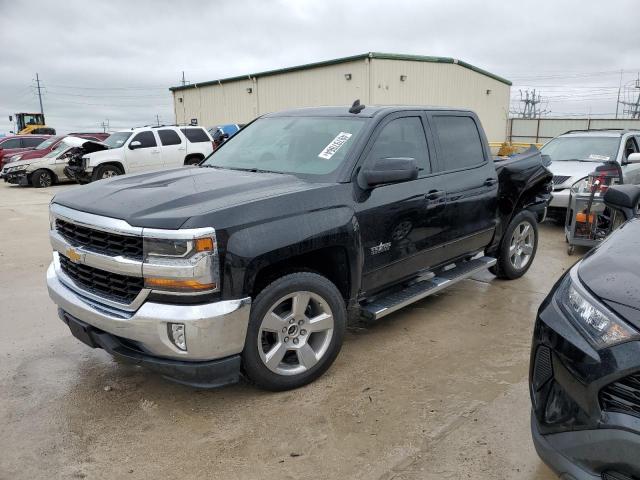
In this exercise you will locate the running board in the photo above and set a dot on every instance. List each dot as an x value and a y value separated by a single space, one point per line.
385 305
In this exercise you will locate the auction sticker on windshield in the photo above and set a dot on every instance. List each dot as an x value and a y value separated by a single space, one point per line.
331 149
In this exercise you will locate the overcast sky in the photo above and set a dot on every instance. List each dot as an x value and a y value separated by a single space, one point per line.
116 59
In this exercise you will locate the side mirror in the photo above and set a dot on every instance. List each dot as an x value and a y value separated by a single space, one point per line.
624 198
135 144
633 158
388 170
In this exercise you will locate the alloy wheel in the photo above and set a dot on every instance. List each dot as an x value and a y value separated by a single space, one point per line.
295 334
521 246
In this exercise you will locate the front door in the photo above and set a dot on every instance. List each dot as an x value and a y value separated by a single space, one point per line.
145 157
400 223
630 171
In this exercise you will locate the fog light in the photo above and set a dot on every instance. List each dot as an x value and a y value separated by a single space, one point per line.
177 335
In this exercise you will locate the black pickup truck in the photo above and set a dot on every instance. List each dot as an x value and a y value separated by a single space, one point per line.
254 261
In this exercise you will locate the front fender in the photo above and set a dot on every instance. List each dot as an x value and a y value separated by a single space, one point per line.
254 247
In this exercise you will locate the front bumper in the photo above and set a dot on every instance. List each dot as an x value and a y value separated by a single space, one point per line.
560 198
572 431
19 178
213 330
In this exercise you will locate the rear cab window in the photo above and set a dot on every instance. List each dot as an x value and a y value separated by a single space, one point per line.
195 135
460 145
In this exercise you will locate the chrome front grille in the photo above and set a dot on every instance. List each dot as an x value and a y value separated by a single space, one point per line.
99 241
560 179
119 288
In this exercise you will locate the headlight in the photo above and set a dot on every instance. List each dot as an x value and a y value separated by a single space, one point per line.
581 186
182 261
599 324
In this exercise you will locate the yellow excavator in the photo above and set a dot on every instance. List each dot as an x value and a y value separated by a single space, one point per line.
31 123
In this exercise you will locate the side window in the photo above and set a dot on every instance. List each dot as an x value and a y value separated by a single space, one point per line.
402 137
630 147
195 135
32 142
11 143
460 144
169 137
147 139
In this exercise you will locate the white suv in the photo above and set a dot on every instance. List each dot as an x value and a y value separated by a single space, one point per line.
141 150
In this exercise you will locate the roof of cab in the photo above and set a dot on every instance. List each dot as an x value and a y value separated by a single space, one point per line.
368 111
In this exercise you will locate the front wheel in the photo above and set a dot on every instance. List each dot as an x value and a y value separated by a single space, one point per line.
295 331
518 247
42 179
106 171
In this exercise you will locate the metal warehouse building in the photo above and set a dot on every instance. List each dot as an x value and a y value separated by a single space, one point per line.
374 78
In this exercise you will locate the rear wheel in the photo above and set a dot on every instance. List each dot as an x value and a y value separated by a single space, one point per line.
295 332
192 160
42 179
518 247
106 171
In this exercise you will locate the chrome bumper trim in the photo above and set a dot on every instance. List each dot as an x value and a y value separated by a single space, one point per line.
213 330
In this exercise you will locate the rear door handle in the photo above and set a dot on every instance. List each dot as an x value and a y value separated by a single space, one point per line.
490 182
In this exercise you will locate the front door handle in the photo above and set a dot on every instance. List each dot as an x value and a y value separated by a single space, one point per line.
490 182
435 194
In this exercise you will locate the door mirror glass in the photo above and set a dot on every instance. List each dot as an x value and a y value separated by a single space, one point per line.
135 144
633 158
388 170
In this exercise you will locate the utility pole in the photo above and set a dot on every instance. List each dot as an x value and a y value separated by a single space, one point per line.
184 82
105 125
619 90
157 120
39 94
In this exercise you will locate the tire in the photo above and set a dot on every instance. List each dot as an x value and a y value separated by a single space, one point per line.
298 355
42 179
192 160
106 171
512 263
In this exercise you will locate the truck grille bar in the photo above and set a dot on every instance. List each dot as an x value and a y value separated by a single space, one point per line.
99 241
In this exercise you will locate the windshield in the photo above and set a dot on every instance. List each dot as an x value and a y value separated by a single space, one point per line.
47 143
296 145
116 140
57 151
585 149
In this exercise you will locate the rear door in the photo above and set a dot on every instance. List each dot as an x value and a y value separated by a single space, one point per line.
468 177
198 141
173 147
146 157
401 224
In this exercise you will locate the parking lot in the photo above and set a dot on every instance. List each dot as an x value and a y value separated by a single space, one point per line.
438 390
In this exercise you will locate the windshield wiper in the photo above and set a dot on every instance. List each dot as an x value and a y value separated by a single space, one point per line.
252 170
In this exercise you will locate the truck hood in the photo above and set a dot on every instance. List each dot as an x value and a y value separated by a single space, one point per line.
575 170
168 198
612 271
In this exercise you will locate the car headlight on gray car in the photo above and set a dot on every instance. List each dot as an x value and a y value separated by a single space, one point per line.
581 186
181 261
600 325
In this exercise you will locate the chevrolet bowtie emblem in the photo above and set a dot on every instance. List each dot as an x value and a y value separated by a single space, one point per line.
73 255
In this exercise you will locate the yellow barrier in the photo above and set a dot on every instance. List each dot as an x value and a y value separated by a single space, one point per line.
509 148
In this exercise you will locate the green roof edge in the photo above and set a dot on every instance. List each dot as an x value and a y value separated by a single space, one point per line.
336 61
